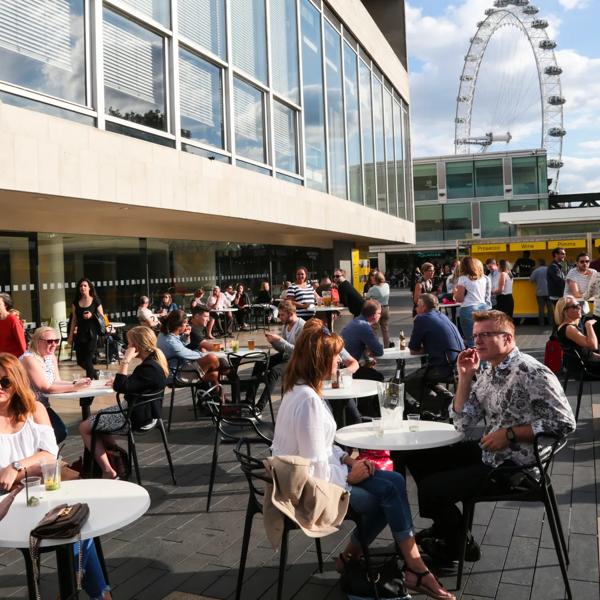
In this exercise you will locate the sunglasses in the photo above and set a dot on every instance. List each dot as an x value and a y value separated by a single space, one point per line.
568 306
584 261
52 341
5 383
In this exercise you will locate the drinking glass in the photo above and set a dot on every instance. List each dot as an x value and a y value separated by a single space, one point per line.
34 490
251 344
51 475
391 403
377 424
235 345
413 421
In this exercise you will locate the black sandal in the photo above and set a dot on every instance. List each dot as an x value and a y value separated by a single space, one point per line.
424 588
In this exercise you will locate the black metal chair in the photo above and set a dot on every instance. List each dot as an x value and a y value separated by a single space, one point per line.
520 484
578 369
63 330
151 405
257 478
180 378
234 422
438 413
259 316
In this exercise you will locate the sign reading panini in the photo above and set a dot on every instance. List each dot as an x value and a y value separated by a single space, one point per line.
488 248
566 244
527 246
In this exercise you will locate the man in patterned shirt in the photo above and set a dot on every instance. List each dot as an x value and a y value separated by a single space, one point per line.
517 397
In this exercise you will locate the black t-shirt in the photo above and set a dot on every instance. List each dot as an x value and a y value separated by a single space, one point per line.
350 297
197 336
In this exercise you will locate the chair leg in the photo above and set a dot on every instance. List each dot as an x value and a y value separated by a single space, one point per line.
171 408
213 467
133 454
468 510
283 553
579 395
245 544
561 531
163 434
92 455
558 546
319 554
29 572
100 554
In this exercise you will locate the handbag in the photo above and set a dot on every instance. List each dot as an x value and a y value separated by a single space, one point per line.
100 323
61 523
553 355
359 582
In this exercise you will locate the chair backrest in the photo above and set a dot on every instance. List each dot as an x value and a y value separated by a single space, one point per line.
545 448
253 469
251 358
63 328
142 408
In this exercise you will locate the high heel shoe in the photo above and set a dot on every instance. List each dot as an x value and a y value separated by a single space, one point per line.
423 588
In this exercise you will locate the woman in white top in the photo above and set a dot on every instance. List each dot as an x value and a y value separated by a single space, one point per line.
472 290
381 292
504 297
305 427
26 440
42 368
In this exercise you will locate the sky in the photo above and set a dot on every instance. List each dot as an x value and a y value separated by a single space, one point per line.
507 93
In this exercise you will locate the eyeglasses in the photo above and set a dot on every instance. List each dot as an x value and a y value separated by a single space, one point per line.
337 276
584 261
568 306
52 341
5 383
487 334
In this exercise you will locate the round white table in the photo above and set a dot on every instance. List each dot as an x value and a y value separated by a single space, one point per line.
430 434
127 502
85 395
328 312
117 324
400 356
241 352
360 388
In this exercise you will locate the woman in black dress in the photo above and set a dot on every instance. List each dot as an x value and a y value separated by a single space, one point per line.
85 326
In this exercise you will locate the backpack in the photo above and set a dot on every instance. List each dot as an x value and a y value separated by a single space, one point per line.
553 355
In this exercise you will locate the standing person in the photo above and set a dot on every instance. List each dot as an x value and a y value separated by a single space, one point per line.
578 280
302 294
524 265
593 291
42 368
424 284
166 305
504 297
87 311
349 297
371 280
381 292
471 291
145 315
556 275
149 377
12 334
26 440
541 291
493 275
305 427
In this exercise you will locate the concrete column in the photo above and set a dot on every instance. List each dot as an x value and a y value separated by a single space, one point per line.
20 275
51 271
381 262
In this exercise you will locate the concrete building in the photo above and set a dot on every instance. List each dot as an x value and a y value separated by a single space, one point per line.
155 144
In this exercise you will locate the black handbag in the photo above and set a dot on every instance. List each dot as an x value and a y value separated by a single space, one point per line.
100 323
359 582
63 522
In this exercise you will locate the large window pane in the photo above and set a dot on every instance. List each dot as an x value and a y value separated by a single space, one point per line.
525 177
399 152
389 152
159 10
335 112
366 119
284 48
353 123
429 223
379 138
248 32
457 221
134 72
203 22
459 179
201 100
42 47
285 130
410 204
490 224
489 180
249 121
542 175
312 85
425 182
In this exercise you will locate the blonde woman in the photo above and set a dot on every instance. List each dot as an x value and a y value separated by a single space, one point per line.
504 296
148 377
42 369
472 290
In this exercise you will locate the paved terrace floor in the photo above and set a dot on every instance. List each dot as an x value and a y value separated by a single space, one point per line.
178 551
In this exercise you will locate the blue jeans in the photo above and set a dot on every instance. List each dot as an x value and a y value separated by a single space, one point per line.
93 581
381 500
465 314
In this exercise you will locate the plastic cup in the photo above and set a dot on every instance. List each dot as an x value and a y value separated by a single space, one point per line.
51 475
34 490
251 344
216 346
413 422
235 345
377 424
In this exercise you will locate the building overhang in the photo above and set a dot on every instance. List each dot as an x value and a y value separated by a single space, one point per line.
551 217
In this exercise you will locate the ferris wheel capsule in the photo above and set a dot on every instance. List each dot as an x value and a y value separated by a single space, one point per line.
557 132
547 44
501 3
531 10
539 24
554 163
553 70
489 11
520 2
556 100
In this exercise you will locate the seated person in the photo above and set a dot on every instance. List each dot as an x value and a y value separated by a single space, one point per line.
166 305
26 440
197 299
198 338
42 368
215 303
305 427
174 334
148 377
265 297
362 343
229 294
573 334
145 315
327 286
435 335
242 303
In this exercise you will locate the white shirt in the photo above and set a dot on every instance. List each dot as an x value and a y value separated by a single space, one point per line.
305 427
474 290
31 438
581 279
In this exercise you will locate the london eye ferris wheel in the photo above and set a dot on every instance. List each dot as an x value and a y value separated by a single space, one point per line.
510 87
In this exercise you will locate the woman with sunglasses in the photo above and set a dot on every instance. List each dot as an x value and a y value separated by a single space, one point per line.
42 369
26 439
305 427
573 335
12 335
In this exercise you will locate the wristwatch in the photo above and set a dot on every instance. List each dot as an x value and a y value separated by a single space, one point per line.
17 466
510 435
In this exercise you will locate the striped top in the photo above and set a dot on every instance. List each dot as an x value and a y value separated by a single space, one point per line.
305 295
582 280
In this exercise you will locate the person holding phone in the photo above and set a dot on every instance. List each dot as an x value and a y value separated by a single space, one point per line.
87 309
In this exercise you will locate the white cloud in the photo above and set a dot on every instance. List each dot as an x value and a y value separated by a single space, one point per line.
574 4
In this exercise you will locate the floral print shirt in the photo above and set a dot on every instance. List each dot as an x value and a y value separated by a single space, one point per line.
519 391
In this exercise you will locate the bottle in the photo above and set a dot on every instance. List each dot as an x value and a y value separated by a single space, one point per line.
402 341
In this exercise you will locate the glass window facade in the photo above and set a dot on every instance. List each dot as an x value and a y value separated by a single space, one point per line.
249 37
159 10
285 132
353 124
489 179
284 49
399 157
390 164
366 119
431 223
489 215
249 114
524 173
379 138
457 221
459 179
203 22
425 182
